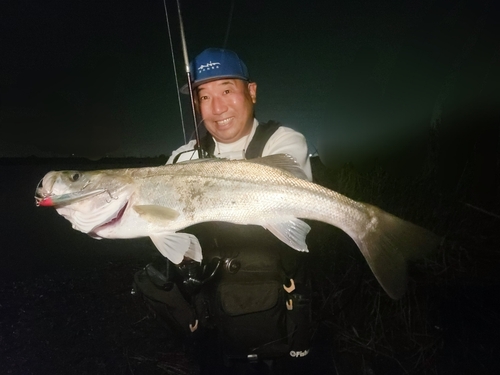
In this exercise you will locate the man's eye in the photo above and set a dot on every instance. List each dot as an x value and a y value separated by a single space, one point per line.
226 91
203 97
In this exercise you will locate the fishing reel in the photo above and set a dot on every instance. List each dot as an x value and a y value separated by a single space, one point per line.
189 275
194 274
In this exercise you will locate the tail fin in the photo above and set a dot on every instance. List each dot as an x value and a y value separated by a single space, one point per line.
389 245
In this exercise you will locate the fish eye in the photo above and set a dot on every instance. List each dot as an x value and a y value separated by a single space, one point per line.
75 177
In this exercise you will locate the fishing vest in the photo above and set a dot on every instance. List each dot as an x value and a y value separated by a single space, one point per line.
250 295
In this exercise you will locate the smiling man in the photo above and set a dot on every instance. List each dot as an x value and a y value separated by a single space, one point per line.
250 296
225 98
227 108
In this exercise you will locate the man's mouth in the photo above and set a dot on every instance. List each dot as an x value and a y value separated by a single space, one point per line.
224 123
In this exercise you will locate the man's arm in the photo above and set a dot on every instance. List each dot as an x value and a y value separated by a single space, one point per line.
187 152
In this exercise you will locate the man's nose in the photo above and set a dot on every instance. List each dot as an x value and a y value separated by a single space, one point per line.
218 106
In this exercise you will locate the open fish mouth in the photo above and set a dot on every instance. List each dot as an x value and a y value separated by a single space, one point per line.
45 197
90 209
48 199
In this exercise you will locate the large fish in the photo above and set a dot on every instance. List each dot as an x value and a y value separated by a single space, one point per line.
271 191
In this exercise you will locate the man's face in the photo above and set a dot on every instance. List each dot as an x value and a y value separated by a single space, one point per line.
226 107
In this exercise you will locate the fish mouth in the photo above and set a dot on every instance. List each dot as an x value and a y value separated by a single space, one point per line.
42 196
46 198
90 209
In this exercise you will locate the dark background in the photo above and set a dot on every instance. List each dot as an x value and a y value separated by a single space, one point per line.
358 78
400 99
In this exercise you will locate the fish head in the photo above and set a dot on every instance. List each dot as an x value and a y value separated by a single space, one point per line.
57 187
88 199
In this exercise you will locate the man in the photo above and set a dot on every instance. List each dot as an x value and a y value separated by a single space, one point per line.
225 98
251 293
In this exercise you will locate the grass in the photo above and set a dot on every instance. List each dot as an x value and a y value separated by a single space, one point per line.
426 332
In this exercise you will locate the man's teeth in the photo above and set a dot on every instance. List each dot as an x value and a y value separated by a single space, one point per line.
224 122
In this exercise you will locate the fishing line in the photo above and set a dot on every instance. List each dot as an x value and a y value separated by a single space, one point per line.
228 24
175 71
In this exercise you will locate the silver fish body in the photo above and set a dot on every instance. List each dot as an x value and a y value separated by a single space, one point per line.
270 191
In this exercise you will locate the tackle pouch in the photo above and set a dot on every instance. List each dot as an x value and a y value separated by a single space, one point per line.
249 305
164 301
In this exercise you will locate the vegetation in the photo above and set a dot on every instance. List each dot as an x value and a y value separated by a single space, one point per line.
447 322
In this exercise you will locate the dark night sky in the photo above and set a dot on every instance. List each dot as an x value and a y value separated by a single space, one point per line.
95 78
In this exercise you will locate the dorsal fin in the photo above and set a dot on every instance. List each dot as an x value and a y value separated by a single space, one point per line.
282 161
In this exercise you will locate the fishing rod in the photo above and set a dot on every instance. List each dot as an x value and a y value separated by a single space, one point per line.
198 148
172 56
188 75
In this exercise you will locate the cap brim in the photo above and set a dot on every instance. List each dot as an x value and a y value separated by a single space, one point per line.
184 89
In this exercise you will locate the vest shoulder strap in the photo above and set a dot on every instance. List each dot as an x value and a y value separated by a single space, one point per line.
262 134
207 144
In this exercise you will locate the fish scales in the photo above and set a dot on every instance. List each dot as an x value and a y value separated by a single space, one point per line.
235 194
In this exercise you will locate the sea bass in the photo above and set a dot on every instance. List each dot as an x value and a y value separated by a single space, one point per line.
270 191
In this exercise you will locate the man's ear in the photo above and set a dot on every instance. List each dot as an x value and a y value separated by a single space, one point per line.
252 89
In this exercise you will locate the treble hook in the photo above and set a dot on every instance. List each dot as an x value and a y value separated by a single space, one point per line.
110 195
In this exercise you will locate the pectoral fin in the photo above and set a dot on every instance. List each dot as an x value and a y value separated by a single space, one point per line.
176 246
293 232
156 214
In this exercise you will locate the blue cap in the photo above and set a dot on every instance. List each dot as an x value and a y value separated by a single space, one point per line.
213 64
